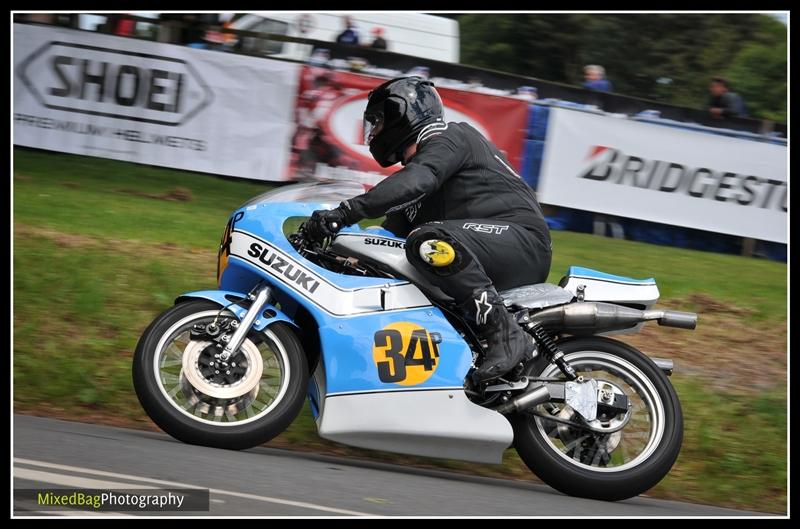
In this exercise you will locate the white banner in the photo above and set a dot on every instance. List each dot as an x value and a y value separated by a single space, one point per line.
152 103
665 174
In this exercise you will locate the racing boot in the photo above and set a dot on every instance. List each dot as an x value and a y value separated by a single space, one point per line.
507 343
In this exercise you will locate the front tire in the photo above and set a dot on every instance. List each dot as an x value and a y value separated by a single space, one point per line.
175 387
604 466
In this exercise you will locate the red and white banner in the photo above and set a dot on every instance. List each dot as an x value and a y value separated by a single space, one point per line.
328 142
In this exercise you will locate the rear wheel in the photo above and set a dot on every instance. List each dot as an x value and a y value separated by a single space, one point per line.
193 396
623 455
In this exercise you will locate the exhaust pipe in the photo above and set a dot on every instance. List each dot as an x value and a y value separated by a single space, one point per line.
672 318
533 397
598 316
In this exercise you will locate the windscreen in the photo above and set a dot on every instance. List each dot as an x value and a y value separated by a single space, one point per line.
315 192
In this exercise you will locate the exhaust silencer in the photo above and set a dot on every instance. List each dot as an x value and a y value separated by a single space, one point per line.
601 317
672 318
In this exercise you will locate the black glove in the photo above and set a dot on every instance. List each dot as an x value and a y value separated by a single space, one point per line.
326 222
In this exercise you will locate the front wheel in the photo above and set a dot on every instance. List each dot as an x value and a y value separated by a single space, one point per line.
192 396
622 456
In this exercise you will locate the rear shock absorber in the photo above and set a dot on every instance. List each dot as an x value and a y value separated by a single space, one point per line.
548 345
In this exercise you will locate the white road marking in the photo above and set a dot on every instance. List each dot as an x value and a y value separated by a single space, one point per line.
77 482
37 514
267 499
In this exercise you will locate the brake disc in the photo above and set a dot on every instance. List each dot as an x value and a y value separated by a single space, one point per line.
222 380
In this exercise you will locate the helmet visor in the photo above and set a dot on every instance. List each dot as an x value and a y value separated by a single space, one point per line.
373 124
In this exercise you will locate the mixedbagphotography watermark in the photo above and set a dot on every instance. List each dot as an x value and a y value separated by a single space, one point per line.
125 500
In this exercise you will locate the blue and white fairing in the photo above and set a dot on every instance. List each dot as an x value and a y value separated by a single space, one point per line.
391 368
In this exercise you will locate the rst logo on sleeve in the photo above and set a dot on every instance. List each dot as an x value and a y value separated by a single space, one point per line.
115 83
485 228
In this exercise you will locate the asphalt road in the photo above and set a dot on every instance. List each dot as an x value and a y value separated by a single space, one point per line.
263 481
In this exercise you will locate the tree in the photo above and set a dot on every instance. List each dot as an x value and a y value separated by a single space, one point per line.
668 57
758 74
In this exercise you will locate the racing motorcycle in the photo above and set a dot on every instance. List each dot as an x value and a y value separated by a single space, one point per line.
384 357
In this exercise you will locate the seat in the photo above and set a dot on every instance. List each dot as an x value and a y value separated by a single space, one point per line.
588 273
535 296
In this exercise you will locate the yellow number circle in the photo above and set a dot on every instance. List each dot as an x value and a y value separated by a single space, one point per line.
405 353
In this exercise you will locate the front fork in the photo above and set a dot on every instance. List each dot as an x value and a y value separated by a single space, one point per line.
259 297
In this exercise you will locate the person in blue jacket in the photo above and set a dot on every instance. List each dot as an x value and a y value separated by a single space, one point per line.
596 78
350 33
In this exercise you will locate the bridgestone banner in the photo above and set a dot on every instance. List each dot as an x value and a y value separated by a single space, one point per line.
152 103
665 174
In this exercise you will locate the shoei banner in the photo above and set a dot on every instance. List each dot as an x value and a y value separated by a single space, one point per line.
152 103
329 139
665 174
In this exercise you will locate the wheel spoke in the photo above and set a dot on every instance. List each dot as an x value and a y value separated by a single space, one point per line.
554 430
624 450
265 360
267 388
573 444
636 435
169 378
171 363
175 350
598 455
644 426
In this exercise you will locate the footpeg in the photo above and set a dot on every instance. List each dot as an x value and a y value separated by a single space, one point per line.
522 383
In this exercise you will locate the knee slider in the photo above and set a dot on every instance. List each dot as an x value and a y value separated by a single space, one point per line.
437 253
437 250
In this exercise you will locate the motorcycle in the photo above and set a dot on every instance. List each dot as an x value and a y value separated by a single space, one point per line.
384 357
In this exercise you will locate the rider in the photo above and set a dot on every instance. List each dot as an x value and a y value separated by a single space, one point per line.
472 225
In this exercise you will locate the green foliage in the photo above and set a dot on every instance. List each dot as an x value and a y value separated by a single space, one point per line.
639 49
716 448
759 75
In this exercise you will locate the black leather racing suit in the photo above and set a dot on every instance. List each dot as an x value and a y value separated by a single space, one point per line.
460 188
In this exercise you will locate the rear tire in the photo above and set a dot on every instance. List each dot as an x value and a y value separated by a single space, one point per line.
179 422
548 460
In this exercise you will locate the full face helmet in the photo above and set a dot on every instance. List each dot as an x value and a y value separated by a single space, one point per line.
396 112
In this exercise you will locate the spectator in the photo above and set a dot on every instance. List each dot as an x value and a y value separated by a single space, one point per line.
125 26
169 27
110 24
194 28
191 29
68 20
596 78
419 71
41 18
526 93
320 57
723 102
350 33
378 42
473 83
